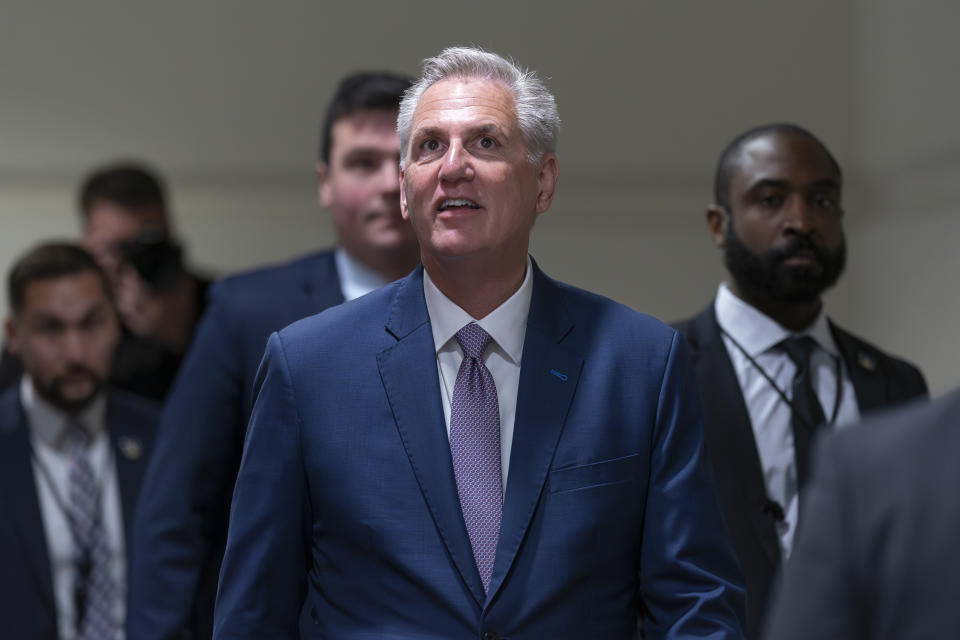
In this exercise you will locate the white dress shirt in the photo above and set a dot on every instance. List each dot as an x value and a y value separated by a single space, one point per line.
770 416
356 278
47 426
507 325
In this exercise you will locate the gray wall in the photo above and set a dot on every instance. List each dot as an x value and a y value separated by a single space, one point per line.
225 98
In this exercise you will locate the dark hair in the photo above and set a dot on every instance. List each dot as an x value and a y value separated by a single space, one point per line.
363 90
48 261
730 155
128 184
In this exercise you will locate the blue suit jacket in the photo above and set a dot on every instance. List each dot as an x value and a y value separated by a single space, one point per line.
347 479
27 606
181 525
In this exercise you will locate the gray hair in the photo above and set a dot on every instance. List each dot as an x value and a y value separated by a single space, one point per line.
536 107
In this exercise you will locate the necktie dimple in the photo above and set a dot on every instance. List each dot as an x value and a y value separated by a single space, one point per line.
807 414
475 448
94 589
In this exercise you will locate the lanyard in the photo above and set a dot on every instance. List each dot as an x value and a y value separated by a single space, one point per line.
837 396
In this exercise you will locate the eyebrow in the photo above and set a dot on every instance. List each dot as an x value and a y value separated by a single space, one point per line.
784 184
473 131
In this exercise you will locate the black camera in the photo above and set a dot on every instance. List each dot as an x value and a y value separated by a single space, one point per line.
157 258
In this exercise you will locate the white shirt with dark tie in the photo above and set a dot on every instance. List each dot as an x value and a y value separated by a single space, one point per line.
507 325
770 416
47 427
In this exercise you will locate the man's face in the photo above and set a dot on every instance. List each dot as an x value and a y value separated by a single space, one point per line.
784 238
469 187
65 334
109 226
361 184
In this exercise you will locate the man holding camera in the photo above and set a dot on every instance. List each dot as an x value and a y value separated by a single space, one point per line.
128 229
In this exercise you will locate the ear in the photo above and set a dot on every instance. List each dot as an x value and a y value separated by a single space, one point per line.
718 219
547 181
404 212
10 331
324 188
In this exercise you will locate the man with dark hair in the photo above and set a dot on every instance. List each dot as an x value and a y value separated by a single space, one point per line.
182 525
127 227
72 454
772 367
477 451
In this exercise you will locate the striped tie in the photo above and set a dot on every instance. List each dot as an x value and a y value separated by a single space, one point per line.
94 592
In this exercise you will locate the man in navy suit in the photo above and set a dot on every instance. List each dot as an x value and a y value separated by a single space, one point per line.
182 522
477 451
72 454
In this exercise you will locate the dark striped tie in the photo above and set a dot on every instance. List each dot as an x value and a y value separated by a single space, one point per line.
94 591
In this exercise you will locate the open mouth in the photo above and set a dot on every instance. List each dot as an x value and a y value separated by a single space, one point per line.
453 204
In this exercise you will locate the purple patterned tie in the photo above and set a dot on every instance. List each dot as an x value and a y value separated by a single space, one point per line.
475 446
94 591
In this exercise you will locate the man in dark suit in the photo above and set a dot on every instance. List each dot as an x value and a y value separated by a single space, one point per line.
477 451
182 522
877 555
128 228
72 455
772 366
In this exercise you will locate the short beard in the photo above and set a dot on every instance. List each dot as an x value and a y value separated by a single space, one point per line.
53 392
765 276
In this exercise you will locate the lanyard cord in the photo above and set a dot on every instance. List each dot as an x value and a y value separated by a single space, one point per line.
838 394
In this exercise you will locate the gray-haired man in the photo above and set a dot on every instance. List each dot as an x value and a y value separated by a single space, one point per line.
477 451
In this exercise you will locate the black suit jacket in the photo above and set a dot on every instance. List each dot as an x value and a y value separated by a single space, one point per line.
27 606
878 555
879 380
181 525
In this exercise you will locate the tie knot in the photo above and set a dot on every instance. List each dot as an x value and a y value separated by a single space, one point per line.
799 349
473 340
77 437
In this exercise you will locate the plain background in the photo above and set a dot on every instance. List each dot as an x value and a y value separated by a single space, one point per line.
225 99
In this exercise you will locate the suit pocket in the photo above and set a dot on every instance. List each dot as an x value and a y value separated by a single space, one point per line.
594 474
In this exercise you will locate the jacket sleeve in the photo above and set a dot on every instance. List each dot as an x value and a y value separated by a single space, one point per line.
263 577
691 584
180 526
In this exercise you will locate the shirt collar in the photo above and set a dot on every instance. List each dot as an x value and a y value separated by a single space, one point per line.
757 332
507 324
49 423
356 278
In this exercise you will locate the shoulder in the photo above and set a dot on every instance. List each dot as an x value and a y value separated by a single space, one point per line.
133 407
903 374
10 413
698 328
267 279
598 321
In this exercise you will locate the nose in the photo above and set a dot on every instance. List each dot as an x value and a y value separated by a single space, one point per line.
389 177
456 165
799 217
73 345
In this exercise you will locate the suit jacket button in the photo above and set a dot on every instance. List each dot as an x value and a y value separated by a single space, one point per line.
490 635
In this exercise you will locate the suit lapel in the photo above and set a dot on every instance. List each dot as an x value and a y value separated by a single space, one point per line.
549 375
16 471
862 366
129 454
729 432
408 371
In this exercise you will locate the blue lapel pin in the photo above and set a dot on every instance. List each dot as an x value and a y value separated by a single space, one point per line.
556 373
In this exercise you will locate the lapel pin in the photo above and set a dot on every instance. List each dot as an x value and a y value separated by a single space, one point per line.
130 447
556 373
867 361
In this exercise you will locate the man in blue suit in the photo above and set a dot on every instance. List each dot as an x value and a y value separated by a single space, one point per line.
181 526
72 454
477 451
